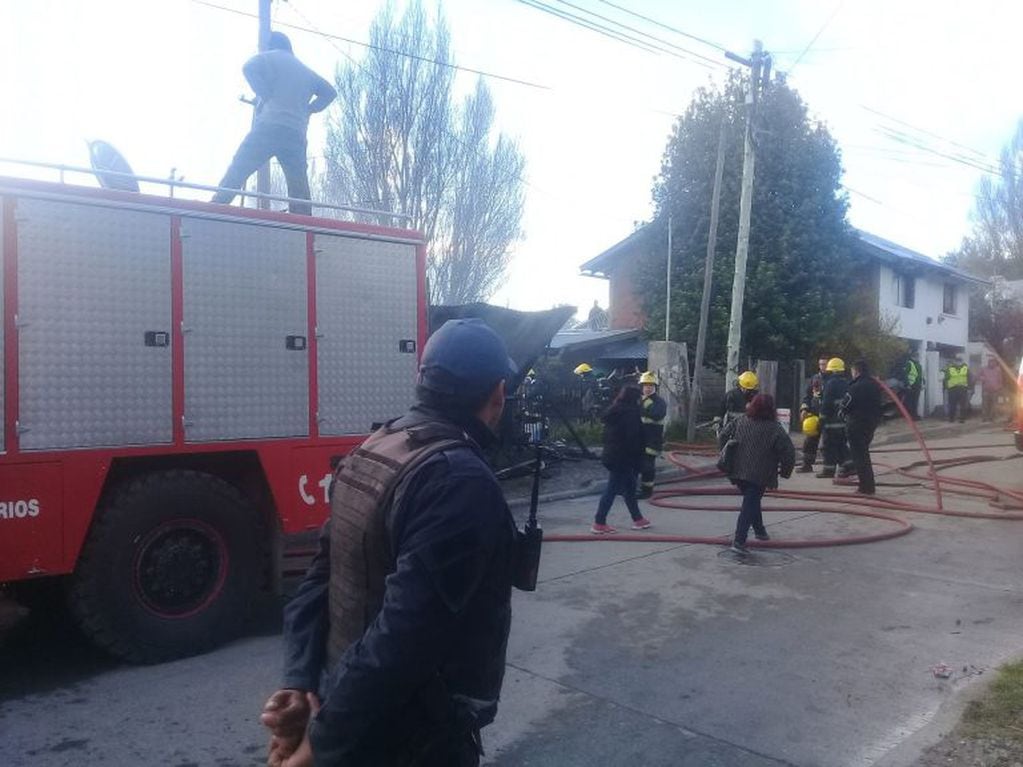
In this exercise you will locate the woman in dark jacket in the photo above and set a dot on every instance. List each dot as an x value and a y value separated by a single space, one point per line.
623 453
764 451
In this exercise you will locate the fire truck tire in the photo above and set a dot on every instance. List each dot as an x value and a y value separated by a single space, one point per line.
171 567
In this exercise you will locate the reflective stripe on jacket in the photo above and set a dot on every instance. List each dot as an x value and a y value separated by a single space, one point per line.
957 375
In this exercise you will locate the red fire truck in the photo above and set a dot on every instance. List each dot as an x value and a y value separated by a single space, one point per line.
177 377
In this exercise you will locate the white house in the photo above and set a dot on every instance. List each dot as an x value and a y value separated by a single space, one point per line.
929 304
927 301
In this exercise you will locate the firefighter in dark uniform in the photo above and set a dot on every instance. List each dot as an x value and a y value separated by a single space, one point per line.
736 399
861 408
395 641
811 406
833 444
653 411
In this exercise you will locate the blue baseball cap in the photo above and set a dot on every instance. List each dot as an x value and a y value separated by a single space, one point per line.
465 357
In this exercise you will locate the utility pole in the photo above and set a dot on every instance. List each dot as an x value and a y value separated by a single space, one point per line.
758 78
667 303
263 174
708 276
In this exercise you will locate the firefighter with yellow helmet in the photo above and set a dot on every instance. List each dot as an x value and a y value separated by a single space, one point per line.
734 404
653 411
833 437
809 416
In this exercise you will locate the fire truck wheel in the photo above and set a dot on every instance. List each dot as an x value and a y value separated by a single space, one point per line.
170 568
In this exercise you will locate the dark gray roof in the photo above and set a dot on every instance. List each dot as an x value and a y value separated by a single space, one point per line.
581 339
890 252
632 349
602 265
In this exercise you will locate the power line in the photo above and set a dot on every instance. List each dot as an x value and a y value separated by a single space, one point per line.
820 32
641 32
599 29
904 138
662 25
653 44
371 46
311 28
922 130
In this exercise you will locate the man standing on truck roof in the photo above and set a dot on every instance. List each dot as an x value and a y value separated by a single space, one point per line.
287 92
401 624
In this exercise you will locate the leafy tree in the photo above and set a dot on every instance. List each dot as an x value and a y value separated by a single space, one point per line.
801 255
398 141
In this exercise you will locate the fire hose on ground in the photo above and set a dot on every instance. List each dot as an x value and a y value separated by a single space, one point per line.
1007 504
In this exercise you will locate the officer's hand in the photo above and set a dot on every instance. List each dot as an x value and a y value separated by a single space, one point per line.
303 755
281 749
286 713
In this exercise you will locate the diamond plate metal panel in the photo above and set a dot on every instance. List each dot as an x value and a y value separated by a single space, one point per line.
92 281
244 295
366 306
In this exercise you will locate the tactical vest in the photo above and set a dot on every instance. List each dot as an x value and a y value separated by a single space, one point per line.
958 376
360 550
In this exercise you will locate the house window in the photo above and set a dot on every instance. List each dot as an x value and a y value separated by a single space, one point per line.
948 304
904 290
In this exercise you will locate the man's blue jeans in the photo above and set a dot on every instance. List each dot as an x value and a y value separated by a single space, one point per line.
263 142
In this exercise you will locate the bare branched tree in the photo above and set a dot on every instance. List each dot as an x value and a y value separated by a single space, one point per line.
396 141
995 246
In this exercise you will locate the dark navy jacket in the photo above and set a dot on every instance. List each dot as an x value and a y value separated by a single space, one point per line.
445 618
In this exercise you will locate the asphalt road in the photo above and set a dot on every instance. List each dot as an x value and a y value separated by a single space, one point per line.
628 654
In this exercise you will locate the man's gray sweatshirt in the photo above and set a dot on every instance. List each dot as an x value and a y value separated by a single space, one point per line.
287 91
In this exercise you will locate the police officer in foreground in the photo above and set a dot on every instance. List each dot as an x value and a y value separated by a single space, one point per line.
653 410
861 408
833 444
395 641
736 399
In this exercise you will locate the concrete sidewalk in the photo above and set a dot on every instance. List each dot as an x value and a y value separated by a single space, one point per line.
667 654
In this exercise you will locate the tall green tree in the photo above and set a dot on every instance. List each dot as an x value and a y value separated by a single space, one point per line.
801 254
399 140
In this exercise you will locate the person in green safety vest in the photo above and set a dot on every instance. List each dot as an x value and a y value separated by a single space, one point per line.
653 411
913 377
957 386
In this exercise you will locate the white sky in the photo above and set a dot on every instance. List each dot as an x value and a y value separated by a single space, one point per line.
160 79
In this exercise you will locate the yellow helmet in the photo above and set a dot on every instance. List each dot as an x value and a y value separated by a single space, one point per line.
648 377
811 426
749 381
582 368
836 365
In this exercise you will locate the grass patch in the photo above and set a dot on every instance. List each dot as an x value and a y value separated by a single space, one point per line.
999 712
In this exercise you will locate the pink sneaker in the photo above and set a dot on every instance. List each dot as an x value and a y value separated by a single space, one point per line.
598 529
642 524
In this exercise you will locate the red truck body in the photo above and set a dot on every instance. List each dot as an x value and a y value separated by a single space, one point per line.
170 367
